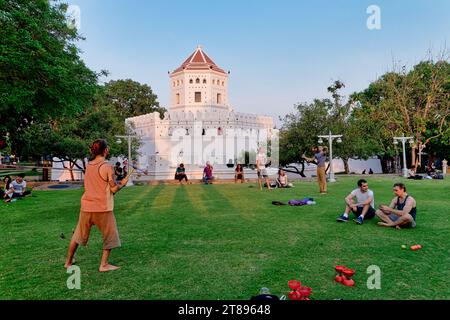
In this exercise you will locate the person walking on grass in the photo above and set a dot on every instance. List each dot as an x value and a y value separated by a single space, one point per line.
261 160
364 208
401 213
97 205
319 156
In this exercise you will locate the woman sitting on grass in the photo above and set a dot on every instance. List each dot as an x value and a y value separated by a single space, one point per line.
7 182
282 180
239 174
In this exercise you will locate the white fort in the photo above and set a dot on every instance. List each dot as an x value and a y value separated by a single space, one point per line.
199 126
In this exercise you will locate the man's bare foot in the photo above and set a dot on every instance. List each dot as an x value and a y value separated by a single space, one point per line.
68 265
398 228
107 268
383 224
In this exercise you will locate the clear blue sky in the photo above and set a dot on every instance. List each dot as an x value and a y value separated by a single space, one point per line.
279 52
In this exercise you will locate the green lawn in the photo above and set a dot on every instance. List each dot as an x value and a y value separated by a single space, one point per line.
226 242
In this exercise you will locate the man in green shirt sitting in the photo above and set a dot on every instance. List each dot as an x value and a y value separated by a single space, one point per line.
180 174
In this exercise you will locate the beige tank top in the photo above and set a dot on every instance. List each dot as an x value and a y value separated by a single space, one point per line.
97 195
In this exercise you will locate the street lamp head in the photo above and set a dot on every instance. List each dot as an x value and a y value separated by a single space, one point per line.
119 141
339 140
395 142
411 142
320 141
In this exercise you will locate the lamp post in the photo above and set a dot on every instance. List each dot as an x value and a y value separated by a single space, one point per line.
330 138
403 139
128 137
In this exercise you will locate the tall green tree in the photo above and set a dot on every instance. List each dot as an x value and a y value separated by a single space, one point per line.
415 103
42 76
130 98
301 128
69 139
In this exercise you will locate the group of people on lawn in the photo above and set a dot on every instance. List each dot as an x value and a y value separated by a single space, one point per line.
401 212
120 171
180 174
97 203
13 189
281 181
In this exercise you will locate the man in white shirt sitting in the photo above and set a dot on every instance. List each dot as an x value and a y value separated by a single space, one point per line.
364 208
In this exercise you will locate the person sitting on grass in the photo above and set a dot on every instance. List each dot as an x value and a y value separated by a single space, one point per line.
412 174
239 174
180 174
401 213
125 169
7 182
208 173
364 208
282 180
118 172
18 188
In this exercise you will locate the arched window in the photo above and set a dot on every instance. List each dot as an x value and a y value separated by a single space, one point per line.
178 98
204 81
214 81
191 81
197 80
223 83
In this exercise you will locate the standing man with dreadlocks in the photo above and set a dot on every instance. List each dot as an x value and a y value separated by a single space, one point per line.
97 205
320 158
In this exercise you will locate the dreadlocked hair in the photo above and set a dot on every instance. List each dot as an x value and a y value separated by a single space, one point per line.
98 147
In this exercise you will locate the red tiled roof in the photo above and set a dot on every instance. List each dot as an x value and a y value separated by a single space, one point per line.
199 61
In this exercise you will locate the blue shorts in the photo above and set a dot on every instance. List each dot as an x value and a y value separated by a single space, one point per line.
369 215
395 217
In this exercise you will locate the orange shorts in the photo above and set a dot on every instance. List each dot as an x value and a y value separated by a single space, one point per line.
105 222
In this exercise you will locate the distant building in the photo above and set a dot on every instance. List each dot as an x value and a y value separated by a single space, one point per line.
200 125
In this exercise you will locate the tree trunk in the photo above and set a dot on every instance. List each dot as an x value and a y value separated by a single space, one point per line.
413 155
71 171
346 167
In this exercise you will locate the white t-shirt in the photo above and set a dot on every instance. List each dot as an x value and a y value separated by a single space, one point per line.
362 197
262 159
19 187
